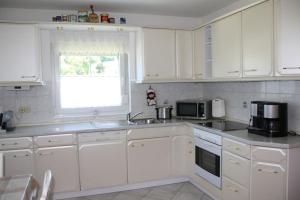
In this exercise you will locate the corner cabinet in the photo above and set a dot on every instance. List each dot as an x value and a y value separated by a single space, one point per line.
19 54
158 53
257 28
226 47
199 53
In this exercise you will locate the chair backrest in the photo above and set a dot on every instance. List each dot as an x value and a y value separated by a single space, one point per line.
48 185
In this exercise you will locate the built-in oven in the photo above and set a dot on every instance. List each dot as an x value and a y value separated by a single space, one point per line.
208 156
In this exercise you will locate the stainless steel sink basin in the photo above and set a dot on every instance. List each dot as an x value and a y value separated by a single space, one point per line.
144 121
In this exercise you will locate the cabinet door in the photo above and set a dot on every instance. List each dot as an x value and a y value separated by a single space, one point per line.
234 191
199 55
102 164
226 47
18 162
148 159
184 54
287 36
268 181
159 54
257 23
63 163
18 53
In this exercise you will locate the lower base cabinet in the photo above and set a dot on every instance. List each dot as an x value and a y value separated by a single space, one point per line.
149 159
233 191
63 162
18 162
102 164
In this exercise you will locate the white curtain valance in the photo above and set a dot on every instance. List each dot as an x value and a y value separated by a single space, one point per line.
90 42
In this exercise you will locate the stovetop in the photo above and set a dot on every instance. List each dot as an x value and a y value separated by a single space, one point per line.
224 125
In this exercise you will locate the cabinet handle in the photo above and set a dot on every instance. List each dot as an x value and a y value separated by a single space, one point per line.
237 148
28 76
190 152
46 154
142 145
156 74
9 144
16 156
251 70
268 171
200 74
132 145
233 72
291 68
52 141
233 161
190 142
232 189
148 75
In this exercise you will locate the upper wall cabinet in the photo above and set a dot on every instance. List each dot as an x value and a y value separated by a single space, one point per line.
199 55
19 54
226 47
158 53
288 40
184 54
257 29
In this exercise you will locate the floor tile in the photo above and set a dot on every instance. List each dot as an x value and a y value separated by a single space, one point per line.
124 196
109 196
161 194
187 196
77 198
205 197
138 192
190 188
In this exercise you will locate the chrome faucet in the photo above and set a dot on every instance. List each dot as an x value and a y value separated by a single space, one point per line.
130 118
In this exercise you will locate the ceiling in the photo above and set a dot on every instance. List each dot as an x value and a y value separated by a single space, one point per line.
184 8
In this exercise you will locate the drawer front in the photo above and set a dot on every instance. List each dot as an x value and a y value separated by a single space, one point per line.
55 140
236 168
236 147
16 143
148 133
233 191
273 155
101 136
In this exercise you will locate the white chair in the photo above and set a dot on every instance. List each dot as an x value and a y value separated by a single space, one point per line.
48 185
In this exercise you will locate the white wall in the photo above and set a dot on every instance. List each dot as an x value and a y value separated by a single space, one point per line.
37 15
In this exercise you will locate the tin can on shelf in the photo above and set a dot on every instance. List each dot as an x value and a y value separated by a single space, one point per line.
82 15
122 20
111 20
64 18
104 17
58 18
72 18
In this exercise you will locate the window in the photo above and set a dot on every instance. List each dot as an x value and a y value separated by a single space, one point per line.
90 81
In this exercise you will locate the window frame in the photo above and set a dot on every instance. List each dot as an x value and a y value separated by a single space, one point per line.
92 111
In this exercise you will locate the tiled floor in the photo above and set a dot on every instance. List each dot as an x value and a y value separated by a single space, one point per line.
178 191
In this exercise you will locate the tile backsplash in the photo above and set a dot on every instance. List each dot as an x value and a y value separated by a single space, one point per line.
41 100
236 93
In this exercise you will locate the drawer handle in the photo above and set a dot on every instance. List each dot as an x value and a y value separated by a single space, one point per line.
50 141
28 76
190 142
233 72
237 148
190 152
9 144
251 70
142 145
232 189
268 171
291 68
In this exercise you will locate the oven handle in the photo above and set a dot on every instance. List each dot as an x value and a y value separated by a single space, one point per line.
212 148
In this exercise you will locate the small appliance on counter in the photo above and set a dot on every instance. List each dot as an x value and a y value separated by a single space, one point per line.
7 122
164 112
218 108
269 119
193 109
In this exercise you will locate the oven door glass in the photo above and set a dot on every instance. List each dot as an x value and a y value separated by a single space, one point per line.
208 161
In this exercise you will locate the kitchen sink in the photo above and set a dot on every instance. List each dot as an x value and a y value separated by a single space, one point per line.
144 121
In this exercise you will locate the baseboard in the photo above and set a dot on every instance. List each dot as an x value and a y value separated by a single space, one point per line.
121 188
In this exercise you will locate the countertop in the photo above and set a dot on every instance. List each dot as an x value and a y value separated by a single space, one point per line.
240 135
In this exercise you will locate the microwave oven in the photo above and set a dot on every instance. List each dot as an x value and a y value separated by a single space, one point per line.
194 109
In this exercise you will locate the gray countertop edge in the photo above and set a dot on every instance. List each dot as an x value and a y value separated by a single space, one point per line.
288 142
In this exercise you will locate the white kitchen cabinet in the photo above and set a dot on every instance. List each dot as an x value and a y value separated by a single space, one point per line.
63 162
199 53
19 54
102 160
182 155
233 191
149 159
159 54
226 47
184 54
257 26
18 162
287 32
268 181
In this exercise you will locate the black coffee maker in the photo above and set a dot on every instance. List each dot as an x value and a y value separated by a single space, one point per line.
268 119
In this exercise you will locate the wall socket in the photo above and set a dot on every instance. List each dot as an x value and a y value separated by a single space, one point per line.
24 109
